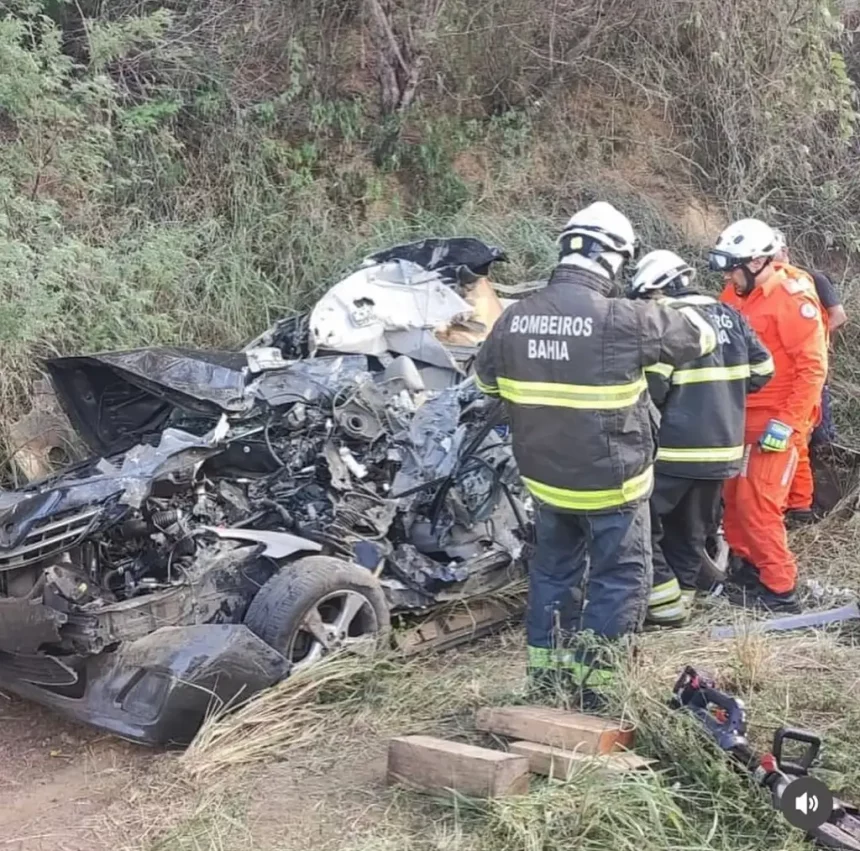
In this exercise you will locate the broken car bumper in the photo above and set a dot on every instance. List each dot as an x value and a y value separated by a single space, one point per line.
156 690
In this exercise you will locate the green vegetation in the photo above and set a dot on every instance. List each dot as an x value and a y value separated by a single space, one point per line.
186 171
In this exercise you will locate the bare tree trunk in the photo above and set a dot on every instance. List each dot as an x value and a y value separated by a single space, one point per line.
400 32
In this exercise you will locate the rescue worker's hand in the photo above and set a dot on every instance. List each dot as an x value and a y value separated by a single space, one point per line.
776 437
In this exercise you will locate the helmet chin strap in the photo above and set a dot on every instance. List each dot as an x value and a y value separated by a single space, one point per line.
611 261
750 276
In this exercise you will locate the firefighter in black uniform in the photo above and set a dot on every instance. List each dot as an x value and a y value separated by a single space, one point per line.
568 360
701 443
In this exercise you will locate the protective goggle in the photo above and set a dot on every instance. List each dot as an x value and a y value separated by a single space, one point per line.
722 261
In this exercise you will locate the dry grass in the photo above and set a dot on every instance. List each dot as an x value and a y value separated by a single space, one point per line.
342 712
349 698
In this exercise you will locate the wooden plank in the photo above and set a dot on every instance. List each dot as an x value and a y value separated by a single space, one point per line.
544 759
555 727
437 765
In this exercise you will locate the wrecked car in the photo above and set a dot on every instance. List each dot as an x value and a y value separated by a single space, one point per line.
244 513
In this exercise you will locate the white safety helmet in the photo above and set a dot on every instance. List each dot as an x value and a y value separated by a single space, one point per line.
743 242
660 270
598 229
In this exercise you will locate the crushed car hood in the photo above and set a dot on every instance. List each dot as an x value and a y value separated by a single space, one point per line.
114 400
67 505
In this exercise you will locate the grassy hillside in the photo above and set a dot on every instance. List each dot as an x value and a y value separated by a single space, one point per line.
184 171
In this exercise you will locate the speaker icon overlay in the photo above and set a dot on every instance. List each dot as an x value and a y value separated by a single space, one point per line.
806 803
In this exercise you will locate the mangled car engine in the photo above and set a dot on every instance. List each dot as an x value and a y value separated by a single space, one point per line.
354 431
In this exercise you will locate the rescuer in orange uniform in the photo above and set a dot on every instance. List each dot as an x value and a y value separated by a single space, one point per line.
781 305
799 508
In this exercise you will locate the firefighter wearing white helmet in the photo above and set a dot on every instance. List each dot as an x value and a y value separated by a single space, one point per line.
799 508
569 362
780 303
598 236
701 440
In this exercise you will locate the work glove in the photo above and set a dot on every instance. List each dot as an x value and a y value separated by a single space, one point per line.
776 437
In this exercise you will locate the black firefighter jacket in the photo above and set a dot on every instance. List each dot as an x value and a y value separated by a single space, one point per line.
569 362
703 403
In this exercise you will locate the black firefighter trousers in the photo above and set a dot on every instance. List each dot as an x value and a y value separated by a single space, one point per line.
683 513
604 558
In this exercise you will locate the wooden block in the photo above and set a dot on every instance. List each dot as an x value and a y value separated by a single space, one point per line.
436 765
547 760
555 727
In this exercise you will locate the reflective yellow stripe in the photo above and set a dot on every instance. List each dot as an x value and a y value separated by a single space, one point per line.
707 335
715 453
666 592
664 369
668 613
711 373
635 488
547 658
489 389
582 396
764 368
540 657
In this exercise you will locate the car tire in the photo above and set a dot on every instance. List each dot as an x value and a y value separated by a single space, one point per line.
310 597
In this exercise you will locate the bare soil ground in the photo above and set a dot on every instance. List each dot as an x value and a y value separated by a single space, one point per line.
59 781
65 787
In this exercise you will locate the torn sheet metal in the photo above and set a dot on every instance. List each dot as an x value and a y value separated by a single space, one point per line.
451 258
291 336
114 407
422 573
421 344
177 450
310 380
277 545
263 358
356 314
198 380
807 620
433 445
115 400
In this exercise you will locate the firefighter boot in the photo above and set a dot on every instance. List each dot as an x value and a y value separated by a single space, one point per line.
761 597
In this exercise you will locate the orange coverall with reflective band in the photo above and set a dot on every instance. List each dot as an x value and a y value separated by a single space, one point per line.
785 314
802 491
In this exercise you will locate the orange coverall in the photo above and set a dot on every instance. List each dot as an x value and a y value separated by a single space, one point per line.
802 491
785 313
